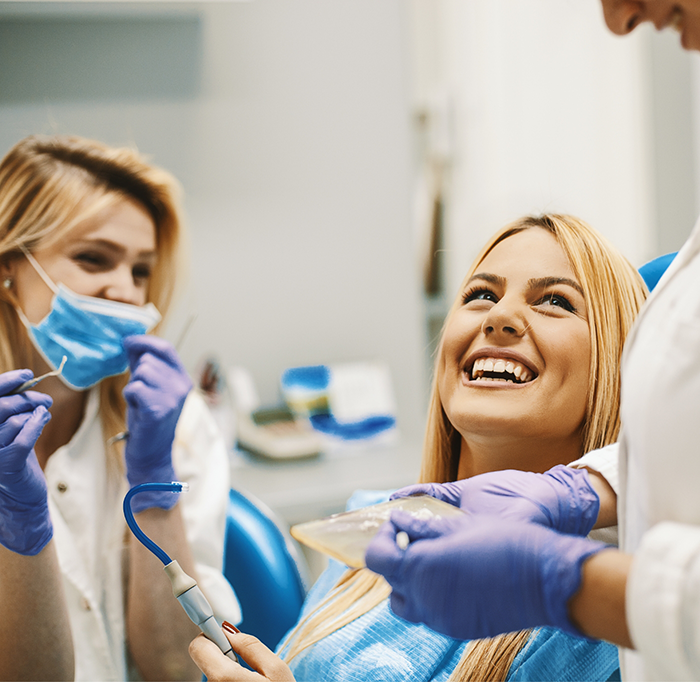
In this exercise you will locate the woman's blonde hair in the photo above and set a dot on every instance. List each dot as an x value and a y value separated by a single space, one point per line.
614 293
51 184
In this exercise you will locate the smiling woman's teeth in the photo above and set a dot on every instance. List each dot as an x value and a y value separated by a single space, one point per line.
500 370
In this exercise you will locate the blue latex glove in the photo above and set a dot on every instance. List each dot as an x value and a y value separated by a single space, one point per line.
25 524
562 498
480 576
154 396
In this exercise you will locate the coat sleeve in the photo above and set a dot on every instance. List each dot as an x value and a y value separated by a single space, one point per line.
606 461
663 601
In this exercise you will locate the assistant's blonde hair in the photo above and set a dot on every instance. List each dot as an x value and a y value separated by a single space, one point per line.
614 293
51 184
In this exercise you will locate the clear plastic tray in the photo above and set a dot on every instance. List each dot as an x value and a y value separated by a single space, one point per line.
345 536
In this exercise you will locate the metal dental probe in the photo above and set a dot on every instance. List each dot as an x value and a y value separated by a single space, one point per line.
27 385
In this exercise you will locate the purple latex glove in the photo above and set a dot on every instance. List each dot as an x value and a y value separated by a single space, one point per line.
481 575
154 396
25 524
561 498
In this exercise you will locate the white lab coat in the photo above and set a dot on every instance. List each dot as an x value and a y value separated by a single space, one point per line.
659 498
606 461
85 502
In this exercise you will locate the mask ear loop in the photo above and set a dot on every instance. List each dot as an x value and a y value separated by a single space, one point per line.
42 273
39 270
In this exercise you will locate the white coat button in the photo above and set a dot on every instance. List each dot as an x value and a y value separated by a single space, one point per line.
62 487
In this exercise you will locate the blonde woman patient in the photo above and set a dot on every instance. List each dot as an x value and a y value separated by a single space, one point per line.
526 378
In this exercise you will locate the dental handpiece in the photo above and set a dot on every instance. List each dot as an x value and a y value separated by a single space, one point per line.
185 587
197 607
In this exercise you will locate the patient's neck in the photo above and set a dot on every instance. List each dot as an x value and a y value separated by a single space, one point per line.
481 455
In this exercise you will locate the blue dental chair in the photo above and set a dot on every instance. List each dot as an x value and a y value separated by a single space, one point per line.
264 568
652 271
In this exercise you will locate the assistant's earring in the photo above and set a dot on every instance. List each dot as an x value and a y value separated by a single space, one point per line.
7 282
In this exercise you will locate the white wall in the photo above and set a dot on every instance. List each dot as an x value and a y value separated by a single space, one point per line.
549 111
288 125
673 109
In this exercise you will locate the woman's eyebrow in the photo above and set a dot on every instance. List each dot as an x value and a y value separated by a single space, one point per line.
150 254
544 282
488 277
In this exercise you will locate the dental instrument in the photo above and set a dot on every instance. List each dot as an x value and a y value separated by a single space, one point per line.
33 382
185 330
185 587
122 435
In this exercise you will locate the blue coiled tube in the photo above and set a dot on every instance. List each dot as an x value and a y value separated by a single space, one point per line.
185 588
174 487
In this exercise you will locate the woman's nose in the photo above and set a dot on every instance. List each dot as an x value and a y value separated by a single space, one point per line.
121 287
505 318
623 16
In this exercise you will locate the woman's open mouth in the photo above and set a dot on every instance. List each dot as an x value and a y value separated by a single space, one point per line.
498 369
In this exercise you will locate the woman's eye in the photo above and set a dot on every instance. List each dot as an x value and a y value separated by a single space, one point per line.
480 295
141 273
91 260
558 301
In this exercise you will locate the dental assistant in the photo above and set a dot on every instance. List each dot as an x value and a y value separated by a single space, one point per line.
89 250
644 597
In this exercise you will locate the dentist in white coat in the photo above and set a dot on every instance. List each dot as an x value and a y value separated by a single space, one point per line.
645 596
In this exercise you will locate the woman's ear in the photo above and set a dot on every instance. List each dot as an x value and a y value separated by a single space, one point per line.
6 269
7 272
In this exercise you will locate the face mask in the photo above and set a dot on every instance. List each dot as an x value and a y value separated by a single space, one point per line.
88 331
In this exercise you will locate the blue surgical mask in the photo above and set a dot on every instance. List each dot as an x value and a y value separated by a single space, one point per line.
88 331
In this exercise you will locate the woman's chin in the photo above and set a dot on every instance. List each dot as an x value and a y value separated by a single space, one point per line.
498 423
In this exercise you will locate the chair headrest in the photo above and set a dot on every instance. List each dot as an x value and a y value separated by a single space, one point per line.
652 271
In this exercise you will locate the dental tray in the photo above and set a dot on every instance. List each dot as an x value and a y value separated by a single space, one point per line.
345 536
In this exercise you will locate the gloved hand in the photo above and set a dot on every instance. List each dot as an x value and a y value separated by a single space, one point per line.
481 575
561 498
25 525
154 396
